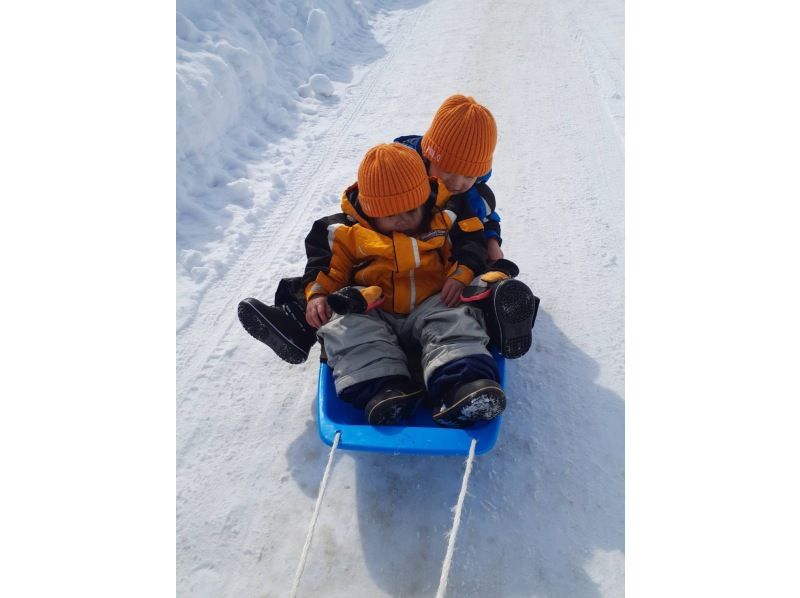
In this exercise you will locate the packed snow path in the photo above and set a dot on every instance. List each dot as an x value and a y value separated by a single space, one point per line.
544 515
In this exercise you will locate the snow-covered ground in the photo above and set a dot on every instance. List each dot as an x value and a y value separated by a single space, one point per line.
277 103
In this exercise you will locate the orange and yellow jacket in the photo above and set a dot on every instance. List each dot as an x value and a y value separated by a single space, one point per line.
344 249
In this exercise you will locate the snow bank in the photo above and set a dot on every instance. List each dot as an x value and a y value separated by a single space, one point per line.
247 73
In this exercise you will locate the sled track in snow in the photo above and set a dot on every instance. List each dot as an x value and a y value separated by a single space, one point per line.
258 268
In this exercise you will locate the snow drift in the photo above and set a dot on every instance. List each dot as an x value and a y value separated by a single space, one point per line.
247 73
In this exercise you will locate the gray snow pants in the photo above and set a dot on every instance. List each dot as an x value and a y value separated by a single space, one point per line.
362 347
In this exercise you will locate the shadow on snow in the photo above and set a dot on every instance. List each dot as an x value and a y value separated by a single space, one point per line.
538 505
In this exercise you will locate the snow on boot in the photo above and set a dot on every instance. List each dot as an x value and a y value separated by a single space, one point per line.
479 400
395 402
282 328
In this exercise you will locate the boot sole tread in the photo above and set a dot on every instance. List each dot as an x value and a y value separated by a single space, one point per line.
260 328
514 305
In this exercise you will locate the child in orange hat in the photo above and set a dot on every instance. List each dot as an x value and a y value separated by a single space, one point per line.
457 149
402 250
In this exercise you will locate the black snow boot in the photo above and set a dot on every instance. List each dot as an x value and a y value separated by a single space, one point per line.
396 401
510 313
510 309
479 400
283 328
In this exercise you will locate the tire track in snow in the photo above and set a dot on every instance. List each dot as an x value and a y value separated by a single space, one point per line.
214 416
604 70
200 343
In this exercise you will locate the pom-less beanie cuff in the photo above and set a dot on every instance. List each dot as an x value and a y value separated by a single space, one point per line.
451 163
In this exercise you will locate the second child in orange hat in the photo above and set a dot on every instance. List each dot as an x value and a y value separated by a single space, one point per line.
458 149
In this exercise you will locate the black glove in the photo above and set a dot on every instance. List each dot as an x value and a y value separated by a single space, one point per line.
355 300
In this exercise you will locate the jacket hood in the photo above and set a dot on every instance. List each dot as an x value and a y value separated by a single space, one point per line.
352 208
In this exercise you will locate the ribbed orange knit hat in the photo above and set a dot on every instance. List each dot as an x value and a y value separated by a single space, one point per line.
462 137
392 180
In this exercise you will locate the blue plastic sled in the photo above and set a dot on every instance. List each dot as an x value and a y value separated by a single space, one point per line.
419 435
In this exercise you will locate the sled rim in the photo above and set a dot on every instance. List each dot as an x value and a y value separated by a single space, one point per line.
421 436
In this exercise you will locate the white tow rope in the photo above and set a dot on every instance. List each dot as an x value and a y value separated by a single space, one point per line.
451 545
304 555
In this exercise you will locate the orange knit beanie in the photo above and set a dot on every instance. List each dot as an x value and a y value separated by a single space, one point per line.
392 180
462 137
